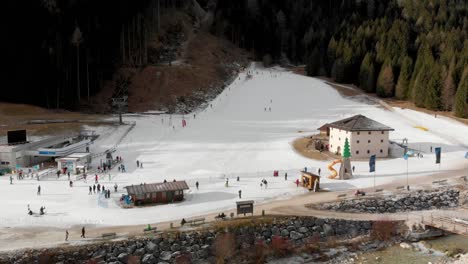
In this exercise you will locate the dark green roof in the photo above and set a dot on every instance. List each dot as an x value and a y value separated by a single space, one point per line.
360 123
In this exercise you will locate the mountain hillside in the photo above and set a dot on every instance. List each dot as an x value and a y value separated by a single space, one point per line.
78 54
411 50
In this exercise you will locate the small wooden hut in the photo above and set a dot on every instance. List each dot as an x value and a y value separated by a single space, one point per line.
324 130
166 192
310 181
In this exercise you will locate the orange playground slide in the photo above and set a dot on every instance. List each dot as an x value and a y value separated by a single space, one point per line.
333 171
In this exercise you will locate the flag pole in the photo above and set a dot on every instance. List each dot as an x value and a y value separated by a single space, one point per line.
374 180
407 181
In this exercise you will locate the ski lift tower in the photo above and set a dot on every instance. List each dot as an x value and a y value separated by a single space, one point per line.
120 105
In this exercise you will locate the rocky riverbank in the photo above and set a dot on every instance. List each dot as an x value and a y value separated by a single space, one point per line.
414 201
237 241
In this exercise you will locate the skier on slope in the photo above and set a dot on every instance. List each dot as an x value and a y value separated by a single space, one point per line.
115 187
39 190
196 184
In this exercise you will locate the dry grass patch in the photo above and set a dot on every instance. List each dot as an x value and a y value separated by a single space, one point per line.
304 146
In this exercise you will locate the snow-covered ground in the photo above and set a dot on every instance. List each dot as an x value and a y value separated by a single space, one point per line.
234 137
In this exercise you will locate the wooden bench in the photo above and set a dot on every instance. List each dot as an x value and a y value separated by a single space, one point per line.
152 230
196 221
109 235
440 181
400 187
341 195
379 190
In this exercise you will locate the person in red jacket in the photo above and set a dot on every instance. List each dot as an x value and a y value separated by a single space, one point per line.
297 182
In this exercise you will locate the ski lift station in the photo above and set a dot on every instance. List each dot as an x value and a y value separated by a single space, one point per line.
18 152
75 162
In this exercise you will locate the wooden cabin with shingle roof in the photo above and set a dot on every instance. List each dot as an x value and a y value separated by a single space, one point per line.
164 192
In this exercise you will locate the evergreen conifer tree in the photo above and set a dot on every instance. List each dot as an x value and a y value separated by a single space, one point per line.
364 72
461 95
385 83
420 61
448 87
432 90
401 89
346 150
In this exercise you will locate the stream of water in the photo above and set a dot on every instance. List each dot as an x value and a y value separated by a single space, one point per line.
429 251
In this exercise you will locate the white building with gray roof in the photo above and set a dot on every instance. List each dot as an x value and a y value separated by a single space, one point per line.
366 136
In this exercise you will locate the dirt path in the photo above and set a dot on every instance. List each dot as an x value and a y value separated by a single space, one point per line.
16 238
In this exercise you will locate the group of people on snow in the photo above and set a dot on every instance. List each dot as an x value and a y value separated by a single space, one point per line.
264 183
101 189
139 164
121 168
41 210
